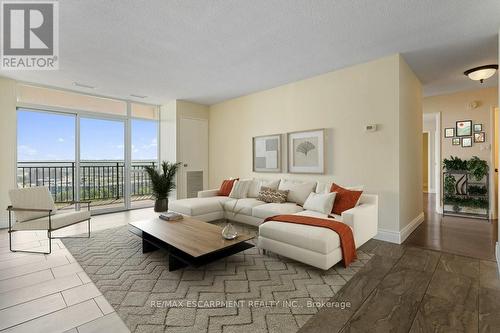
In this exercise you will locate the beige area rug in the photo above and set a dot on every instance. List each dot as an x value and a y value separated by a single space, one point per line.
247 292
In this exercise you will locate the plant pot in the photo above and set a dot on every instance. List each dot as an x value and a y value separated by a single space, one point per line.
161 205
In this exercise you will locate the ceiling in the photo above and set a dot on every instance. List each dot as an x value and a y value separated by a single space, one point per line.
209 51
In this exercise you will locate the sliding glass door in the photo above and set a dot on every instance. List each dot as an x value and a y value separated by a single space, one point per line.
144 138
102 162
46 152
85 156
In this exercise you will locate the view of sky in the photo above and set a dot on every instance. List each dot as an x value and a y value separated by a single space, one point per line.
51 137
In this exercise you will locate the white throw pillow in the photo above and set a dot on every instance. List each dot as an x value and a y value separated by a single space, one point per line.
256 184
321 203
298 192
240 189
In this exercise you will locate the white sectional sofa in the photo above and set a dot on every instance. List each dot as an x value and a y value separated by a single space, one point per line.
316 246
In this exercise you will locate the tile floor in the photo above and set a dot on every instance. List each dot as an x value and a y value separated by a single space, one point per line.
51 293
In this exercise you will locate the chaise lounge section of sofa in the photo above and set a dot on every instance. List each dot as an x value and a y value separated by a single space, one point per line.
316 246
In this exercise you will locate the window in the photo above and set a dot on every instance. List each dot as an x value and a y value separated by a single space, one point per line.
46 152
76 145
144 137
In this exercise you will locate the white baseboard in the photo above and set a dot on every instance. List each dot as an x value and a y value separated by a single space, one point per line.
399 237
406 231
388 236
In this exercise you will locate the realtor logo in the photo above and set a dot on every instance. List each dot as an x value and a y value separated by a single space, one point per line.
30 35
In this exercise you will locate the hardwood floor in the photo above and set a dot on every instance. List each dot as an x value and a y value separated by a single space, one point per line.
409 289
464 236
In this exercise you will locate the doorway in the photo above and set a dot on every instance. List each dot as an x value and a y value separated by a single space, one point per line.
194 156
425 162
495 148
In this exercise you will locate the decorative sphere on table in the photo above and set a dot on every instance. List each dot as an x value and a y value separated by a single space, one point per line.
229 232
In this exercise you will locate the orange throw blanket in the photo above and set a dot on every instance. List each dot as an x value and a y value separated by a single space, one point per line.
343 230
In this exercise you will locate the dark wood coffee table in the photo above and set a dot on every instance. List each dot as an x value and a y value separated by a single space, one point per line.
188 241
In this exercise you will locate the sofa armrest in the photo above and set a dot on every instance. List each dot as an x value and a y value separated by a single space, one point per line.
363 220
208 193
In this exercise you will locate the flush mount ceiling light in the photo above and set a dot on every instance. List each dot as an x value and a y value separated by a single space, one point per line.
481 73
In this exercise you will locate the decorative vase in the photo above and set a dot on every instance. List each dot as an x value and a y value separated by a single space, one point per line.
229 232
161 205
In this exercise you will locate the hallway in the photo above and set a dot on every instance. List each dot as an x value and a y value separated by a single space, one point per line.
464 236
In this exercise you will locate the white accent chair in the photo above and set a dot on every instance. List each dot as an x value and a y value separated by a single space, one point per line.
34 209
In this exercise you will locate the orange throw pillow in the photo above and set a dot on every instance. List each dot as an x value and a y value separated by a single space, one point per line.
226 187
344 199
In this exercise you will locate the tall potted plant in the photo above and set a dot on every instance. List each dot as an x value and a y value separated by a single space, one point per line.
163 183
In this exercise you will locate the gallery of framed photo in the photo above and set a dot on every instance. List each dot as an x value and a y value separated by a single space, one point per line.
306 151
267 153
464 128
467 142
449 132
479 137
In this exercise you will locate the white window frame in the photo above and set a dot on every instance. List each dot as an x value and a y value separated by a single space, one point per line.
126 119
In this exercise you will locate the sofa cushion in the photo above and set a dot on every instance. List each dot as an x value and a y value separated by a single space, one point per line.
36 197
298 192
269 195
320 202
323 187
256 184
58 220
312 213
317 239
345 199
240 189
242 206
227 186
271 209
198 206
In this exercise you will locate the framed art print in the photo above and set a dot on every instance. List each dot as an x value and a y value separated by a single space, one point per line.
455 141
478 127
306 151
467 142
479 137
464 128
267 153
449 132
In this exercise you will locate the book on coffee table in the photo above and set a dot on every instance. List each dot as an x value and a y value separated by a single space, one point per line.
171 216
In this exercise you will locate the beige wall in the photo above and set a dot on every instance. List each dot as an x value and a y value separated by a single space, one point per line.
410 148
168 134
343 102
8 122
171 114
191 110
455 107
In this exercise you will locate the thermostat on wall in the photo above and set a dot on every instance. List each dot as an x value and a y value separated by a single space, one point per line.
371 128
